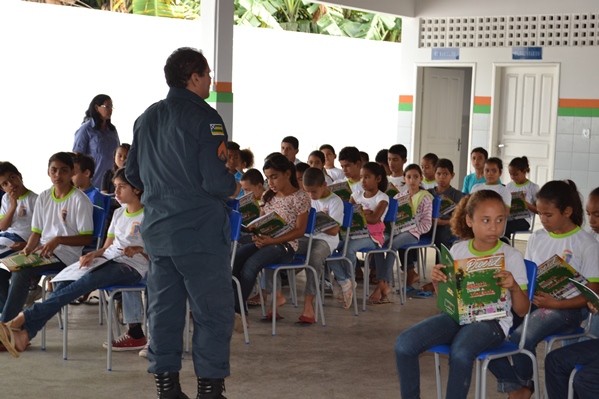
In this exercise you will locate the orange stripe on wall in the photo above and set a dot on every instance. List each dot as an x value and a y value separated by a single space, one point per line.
480 100
578 103
406 99
223 87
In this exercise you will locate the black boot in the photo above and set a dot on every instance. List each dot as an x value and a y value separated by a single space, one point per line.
211 388
168 387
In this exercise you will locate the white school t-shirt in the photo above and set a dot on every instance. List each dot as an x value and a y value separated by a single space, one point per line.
577 247
21 221
67 216
398 182
372 202
357 186
332 205
428 184
125 228
514 263
498 188
530 191
335 173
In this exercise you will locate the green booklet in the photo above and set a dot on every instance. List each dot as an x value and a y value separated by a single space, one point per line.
324 222
271 225
343 190
22 261
447 205
471 292
553 278
359 227
249 208
588 293
518 209
392 190
406 220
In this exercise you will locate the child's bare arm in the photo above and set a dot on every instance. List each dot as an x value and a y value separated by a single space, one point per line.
376 215
6 221
74 241
32 243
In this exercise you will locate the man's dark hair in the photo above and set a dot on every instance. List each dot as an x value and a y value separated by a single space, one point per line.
181 64
399 149
313 177
302 167
381 156
85 163
480 150
253 176
327 147
444 163
291 140
350 154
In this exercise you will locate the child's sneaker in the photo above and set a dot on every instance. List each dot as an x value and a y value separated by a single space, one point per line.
127 343
348 294
144 351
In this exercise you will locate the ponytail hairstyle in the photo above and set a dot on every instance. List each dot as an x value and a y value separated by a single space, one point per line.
280 163
467 206
563 194
496 161
521 164
416 167
378 171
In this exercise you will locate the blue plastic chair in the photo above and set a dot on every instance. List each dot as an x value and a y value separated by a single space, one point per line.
571 380
423 243
506 349
390 217
299 263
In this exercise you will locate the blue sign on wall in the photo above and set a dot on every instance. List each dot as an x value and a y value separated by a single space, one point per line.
527 53
444 53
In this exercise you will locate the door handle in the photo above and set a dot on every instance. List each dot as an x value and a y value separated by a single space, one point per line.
459 144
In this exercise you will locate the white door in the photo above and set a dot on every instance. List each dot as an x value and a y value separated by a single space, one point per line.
527 118
442 113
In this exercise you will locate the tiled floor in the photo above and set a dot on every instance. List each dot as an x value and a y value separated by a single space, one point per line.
352 357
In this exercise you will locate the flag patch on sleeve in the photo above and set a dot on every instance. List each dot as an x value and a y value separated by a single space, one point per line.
217 129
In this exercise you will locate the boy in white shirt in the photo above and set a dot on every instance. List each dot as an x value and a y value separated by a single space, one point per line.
397 156
351 163
330 156
323 243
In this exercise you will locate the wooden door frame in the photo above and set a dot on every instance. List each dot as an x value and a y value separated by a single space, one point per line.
418 98
495 106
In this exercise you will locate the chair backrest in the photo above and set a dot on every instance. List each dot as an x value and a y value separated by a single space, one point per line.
348 214
106 202
436 206
391 214
311 222
531 274
233 204
99 217
235 222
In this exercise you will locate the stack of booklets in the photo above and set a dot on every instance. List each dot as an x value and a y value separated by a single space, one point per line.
553 278
249 208
518 209
471 292
359 227
22 261
392 190
447 205
271 225
324 222
406 220
343 190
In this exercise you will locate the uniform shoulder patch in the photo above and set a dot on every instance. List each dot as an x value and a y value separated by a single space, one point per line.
221 152
217 129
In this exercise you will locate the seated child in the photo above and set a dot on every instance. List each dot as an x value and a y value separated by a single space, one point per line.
62 225
351 164
364 157
316 159
127 265
428 163
16 212
518 169
382 159
233 163
82 178
478 156
290 148
374 203
329 165
246 157
397 156
479 219
300 168
492 172
120 157
252 181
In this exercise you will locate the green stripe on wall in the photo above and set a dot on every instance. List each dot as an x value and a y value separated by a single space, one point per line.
481 109
220 97
405 107
589 112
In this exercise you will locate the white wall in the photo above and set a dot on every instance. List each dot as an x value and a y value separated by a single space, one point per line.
56 59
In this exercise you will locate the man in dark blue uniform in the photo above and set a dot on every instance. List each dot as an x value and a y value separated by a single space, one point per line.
178 158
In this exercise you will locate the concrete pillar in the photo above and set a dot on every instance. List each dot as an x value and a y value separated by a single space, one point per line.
217 46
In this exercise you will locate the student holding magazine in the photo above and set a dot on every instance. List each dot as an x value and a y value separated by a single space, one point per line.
479 219
126 265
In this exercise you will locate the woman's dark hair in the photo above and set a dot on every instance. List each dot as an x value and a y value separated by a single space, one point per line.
124 146
120 174
92 112
520 163
496 161
183 63
280 163
377 170
467 206
563 194
318 154
63 157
